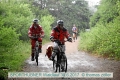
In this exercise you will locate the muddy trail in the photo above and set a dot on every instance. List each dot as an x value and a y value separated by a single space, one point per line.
78 61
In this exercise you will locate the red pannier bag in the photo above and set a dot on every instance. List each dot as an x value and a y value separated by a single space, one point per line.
49 51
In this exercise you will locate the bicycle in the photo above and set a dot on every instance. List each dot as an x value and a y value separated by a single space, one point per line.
36 49
60 60
74 36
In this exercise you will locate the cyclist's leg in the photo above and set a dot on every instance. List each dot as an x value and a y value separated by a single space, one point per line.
40 45
63 48
32 49
55 50
53 55
76 36
73 36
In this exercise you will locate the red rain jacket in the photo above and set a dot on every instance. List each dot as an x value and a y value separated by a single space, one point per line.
60 34
35 31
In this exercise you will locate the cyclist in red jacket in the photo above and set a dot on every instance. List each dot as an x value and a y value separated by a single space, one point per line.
35 30
60 33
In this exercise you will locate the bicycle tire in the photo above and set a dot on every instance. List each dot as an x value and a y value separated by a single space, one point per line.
59 68
64 64
54 66
36 57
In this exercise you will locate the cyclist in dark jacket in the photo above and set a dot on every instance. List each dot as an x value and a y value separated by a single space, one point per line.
60 33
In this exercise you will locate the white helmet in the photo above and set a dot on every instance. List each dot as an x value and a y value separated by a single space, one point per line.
35 21
60 22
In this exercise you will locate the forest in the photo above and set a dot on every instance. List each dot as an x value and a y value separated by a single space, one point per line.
16 17
104 36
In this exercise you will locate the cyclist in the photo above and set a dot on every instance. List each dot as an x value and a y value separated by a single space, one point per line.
35 30
59 33
74 30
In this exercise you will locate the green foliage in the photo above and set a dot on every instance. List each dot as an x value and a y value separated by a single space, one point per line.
16 15
46 21
102 40
15 18
72 12
14 60
107 11
8 39
104 36
3 74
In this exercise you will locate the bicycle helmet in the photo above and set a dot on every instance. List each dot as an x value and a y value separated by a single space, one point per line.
60 22
35 21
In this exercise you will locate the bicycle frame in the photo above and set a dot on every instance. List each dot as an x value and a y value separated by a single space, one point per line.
36 47
36 51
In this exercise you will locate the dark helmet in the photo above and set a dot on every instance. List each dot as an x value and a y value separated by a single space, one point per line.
35 21
60 22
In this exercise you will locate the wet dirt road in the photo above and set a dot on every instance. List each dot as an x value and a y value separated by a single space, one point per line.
77 62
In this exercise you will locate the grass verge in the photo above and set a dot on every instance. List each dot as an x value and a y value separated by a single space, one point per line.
14 59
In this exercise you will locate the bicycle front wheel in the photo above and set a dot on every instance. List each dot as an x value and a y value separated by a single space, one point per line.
64 64
36 57
55 66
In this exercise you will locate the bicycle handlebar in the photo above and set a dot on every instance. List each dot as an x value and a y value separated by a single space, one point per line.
36 37
56 40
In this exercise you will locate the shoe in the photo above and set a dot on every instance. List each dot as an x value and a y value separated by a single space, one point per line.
62 69
51 58
40 51
32 58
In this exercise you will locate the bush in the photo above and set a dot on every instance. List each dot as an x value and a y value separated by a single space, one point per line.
46 21
103 40
8 39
